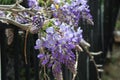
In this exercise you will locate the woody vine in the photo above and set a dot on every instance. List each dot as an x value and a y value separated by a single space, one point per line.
60 37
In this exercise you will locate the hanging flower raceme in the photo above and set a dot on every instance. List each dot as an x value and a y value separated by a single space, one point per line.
60 41
59 33
71 12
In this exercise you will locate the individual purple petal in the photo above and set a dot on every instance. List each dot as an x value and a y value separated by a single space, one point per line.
2 14
50 30
57 22
41 55
50 65
45 61
38 44
69 34
53 7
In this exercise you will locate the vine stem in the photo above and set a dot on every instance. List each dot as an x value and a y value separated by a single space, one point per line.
45 73
25 46
46 77
76 64
92 59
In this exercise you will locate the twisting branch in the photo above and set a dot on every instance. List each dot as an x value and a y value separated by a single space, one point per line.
16 9
22 26
85 47
76 65
92 59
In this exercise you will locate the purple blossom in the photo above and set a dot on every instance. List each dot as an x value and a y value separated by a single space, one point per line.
61 38
57 72
38 44
71 13
50 30
71 65
21 20
2 14
57 22
33 3
45 61
53 7
60 43
41 55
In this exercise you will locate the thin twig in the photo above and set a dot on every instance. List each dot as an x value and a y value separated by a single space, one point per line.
91 59
25 46
76 65
45 73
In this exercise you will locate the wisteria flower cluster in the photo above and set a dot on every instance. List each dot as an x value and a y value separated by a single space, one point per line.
61 36
60 44
57 24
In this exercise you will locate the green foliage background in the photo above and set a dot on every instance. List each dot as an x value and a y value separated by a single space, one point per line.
7 1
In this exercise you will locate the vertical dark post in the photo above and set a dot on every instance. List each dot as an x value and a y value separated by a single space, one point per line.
95 36
67 75
3 54
16 53
101 23
36 62
82 67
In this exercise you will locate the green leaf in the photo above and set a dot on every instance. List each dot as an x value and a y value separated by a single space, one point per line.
47 24
68 1
41 2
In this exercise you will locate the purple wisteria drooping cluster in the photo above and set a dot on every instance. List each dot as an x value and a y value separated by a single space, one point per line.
60 43
71 12
61 33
